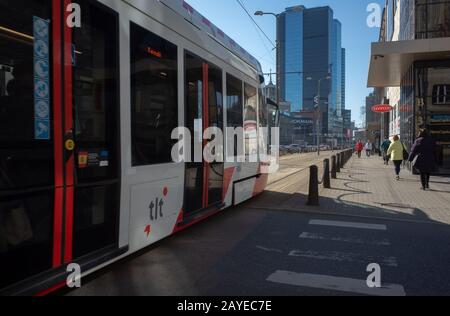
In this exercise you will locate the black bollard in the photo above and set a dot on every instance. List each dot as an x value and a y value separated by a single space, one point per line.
333 167
326 174
338 163
313 195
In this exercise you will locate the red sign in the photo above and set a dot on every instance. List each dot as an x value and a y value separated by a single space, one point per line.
382 108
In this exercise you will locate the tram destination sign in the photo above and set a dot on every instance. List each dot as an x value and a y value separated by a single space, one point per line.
382 108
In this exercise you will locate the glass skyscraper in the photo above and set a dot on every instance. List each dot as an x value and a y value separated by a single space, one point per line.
311 50
291 60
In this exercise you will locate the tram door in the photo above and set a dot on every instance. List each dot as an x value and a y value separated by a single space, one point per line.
204 109
58 136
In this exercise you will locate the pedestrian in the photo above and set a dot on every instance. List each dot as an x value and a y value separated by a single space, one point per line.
359 148
396 152
384 147
368 147
423 157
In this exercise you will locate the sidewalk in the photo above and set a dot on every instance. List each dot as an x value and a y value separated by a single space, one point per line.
366 188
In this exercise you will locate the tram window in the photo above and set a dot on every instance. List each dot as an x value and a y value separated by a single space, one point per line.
25 162
95 106
154 97
234 106
250 120
263 134
250 103
95 91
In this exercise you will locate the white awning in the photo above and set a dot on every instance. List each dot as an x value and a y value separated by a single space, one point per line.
389 61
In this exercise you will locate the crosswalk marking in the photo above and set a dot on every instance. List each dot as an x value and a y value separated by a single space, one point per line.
348 224
344 256
334 283
316 236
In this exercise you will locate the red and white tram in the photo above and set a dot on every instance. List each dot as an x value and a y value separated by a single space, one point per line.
86 116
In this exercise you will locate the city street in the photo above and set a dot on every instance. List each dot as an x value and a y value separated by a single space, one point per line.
277 250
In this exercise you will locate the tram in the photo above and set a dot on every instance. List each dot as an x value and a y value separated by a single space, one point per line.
87 110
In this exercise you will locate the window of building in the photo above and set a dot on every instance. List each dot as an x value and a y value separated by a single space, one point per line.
441 94
154 96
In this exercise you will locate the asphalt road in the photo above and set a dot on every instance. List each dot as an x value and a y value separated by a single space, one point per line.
285 253
244 251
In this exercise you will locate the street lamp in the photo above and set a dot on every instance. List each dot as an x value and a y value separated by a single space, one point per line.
317 107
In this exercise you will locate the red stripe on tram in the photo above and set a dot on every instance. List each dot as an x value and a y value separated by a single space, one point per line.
57 135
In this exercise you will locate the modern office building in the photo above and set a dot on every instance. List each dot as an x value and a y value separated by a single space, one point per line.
412 63
290 36
311 51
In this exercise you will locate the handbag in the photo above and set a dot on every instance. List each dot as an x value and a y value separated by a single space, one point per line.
405 152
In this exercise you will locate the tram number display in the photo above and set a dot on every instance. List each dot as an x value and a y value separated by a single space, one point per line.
93 158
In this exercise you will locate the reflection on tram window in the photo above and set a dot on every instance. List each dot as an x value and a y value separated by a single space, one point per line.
263 143
154 97
24 161
26 219
250 120
25 236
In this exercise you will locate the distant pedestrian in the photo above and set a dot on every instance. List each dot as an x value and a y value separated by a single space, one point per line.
423 157
384 149
368 147
396 152
359 148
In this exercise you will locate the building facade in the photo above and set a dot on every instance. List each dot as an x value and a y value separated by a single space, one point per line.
310 52
412 61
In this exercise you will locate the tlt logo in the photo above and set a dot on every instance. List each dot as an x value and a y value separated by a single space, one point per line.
156 206
156 209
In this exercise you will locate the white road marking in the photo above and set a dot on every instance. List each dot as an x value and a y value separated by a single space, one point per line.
348 224
269 249
334 283
344 256
314 236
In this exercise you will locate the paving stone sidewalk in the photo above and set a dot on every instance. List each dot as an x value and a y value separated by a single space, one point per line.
366 188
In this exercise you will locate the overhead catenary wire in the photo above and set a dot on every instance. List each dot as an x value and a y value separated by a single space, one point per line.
253 20
259 30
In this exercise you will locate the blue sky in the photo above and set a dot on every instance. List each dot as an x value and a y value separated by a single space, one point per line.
356 35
